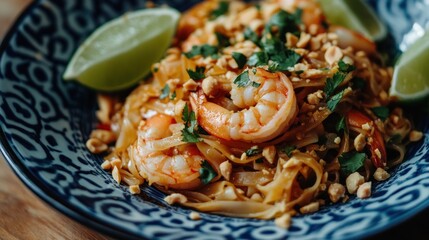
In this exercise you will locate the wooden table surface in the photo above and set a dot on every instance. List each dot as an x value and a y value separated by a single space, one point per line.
24 216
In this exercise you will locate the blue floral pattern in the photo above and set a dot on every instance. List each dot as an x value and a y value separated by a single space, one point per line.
45 122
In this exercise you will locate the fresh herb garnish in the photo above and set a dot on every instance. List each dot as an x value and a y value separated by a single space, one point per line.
350 162
207 173
189 132
258 59
344 67
332 83
240 59
165 92
253 151
243 80
298 72
222 40
287 149
283 22
173 95
249 34
381 112
281 58
332 103
204 50
198 74
221 9
341 125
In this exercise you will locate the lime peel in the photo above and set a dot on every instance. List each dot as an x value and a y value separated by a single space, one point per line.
121 52
411 75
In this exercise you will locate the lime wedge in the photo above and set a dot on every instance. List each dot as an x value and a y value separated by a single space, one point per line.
356 15
411 74
120 52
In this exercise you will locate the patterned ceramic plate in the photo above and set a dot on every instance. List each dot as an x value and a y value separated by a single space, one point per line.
45 121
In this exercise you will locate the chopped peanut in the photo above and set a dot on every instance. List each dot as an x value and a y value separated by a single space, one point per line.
333 54
359 142
210 86
116 175
364 190
310 208
353 181
284 221
194 216
336 191
225 169
380 174
134 189
291 40
106 165
190 85
175 198
303 40
269 153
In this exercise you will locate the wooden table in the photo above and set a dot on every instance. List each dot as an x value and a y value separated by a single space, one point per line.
22 214
25 216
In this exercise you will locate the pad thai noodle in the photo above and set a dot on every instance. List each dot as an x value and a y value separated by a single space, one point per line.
258 110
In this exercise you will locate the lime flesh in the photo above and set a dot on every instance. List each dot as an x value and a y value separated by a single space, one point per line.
411 74
356 15
121 52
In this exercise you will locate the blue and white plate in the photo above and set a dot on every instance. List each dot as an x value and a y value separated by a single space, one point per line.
45 122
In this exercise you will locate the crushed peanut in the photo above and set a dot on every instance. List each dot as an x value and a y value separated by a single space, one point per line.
333 54
194 216
134 189
364 190
106 165
175 198
284 221
96 146
225 169
190 85
353 181
380 174
116 175
269 153
310 208
337 140
336 191
359 142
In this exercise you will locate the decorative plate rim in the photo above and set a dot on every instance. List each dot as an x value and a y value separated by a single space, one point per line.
85 219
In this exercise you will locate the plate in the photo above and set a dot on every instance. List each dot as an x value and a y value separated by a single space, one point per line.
46 121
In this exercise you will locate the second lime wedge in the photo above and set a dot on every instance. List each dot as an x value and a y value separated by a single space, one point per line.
411 74
120 52
356 15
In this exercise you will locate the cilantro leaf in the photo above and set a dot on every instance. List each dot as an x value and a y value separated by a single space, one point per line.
207 173
173 96
281 57
381 112
253 151
344 67
243 79
341 125
333 83
221 9
249 34
222 40
258 59
283 22
240 59
350 162
165 92
189 132
287 149
204 50
198 74
332 103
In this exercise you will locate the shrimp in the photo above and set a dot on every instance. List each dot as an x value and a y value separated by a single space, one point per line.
268 109
162 158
